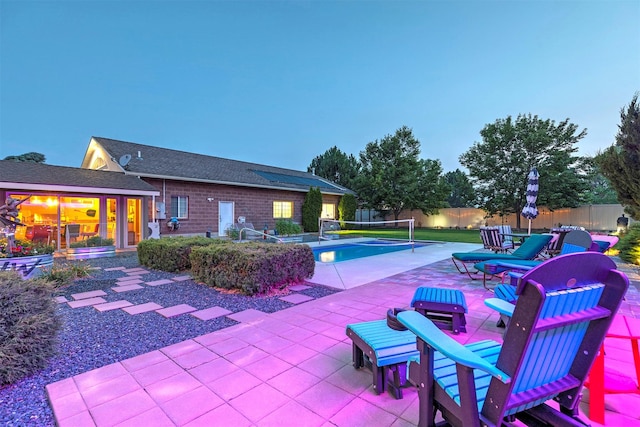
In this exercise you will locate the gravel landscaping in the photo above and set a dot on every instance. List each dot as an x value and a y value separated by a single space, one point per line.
91 339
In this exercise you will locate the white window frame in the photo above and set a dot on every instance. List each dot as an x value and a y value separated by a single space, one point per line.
182 208
281 208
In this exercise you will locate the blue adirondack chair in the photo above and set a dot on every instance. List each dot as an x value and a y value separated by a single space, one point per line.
530 249
563 311
574 241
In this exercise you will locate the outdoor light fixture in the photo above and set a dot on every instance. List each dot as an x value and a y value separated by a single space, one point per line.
210 199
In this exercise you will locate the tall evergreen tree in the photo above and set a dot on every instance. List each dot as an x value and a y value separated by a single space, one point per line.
336 166
620 163
311 209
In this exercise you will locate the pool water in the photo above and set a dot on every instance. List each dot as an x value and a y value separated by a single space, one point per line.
338 253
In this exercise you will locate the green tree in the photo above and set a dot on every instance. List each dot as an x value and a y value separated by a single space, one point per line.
461 193
498 166
620 163
347 209
336 166
599 189
30 157
311 209
393 178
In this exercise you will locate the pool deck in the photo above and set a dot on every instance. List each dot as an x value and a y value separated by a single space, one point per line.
293 367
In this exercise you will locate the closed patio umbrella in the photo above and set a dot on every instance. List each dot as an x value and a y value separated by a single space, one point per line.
530 210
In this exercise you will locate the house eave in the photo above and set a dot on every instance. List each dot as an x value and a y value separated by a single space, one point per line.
75 189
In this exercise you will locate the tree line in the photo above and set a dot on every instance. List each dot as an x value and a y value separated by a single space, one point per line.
390 176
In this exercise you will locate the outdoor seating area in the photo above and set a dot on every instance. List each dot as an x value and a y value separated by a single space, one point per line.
299 364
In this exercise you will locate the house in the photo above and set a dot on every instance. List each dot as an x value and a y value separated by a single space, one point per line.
208 194
60 205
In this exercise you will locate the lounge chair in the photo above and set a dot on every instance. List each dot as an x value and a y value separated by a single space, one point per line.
531 248
564 309
493 240
574 241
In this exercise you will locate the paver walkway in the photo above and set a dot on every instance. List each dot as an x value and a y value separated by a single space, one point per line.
289 368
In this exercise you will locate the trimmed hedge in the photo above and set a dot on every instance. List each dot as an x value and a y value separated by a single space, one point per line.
171 254
29 326
254 268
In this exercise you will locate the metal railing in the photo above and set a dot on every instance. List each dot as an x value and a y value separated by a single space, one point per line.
259 233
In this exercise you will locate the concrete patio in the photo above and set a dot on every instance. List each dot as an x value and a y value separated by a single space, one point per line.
293 367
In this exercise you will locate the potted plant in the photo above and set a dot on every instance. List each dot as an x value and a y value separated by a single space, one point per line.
93 247
27 258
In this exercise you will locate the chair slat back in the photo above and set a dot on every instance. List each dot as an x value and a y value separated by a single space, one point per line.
560 320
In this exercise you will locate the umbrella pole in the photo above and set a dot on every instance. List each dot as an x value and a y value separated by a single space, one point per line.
529 227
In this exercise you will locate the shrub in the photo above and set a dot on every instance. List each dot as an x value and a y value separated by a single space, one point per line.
312 209
28 326
629 245
92 242
285 227
253 268
64 273
347 209
171 253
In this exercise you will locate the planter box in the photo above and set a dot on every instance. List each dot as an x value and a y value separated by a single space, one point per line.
27 266
291 239
91 252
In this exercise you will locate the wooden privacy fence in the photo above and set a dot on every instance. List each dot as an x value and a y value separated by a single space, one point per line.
591 217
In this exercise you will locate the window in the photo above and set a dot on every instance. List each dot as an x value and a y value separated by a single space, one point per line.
283 209
328 211
180 206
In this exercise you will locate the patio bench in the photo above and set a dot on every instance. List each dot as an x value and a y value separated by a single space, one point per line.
385 351
445 307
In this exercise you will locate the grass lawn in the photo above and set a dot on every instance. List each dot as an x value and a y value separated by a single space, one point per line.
440 235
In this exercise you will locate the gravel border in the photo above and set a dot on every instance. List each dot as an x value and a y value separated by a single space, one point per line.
91 339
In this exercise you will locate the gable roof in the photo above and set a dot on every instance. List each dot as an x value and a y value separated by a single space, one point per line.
42 177
155 162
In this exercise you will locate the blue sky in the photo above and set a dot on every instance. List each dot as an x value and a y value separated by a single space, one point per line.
280 82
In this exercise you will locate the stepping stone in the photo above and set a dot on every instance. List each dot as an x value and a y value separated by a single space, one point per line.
60 300
181 278
159 282
89 294
299 287
210 313
136 270
114 269
142 308
126 288
86 302
129 282
112 305
249 315
176 310
296 298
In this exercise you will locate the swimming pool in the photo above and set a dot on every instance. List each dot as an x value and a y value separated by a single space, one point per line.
346 252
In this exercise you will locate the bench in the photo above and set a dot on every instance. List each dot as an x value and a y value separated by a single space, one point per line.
445 307
385 351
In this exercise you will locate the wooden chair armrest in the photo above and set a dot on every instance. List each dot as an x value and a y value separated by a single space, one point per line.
427 331
500 305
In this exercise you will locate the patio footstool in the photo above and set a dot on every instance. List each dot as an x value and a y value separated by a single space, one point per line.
385 351
445 307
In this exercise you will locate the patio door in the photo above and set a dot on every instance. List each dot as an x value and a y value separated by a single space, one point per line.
225 217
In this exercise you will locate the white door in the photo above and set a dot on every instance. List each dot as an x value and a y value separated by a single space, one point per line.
225 217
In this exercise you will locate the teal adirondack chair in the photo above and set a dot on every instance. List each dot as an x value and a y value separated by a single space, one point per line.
563 311
531 248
